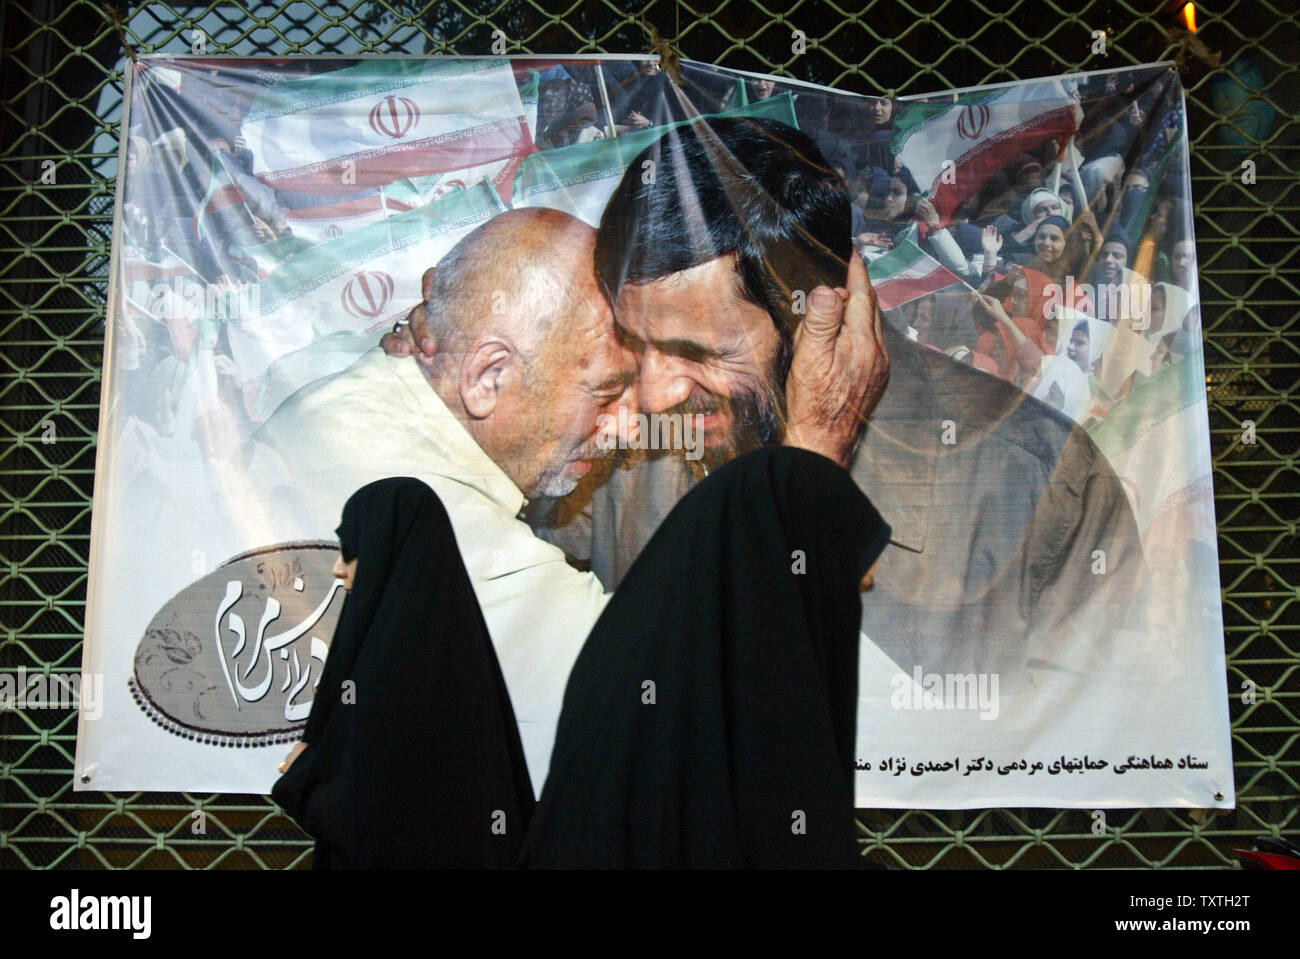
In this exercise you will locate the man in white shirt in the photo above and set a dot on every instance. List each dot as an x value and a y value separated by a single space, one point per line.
509 411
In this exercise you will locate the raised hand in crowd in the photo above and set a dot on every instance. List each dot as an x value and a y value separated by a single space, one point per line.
927 214
1030 228
882 240
991 244
1086 225
992 306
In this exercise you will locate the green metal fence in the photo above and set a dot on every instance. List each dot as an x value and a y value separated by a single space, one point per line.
60 100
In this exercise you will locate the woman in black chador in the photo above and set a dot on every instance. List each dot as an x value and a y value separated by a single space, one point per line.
413 758
709 720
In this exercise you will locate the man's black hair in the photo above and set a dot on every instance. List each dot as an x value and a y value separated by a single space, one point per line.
749 186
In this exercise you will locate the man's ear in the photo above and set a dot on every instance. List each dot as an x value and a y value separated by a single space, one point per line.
426 283
486 362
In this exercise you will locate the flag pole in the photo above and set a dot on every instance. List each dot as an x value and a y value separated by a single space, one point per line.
604 98
1077 181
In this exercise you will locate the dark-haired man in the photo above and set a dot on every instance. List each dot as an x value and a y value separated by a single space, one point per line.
999 506
1121 295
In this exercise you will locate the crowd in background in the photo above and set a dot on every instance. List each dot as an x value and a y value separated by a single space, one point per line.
1077 269
1031 248
1076 260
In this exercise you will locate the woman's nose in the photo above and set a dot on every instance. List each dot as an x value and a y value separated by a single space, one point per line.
340 570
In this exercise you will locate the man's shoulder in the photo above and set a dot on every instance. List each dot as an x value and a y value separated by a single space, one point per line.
347 429
369 380
997 408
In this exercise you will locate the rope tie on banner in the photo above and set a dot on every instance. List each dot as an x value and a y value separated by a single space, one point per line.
669 59
119 24
1184 41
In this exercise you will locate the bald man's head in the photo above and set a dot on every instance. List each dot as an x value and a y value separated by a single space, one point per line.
513 276
527 355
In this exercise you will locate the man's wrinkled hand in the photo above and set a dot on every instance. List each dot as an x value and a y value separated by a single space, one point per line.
414 330
840 367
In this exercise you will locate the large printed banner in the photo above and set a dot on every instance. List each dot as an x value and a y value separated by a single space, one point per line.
1044 628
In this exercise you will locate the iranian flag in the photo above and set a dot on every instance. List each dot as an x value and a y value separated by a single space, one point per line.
222 193
165 267
145 286
952 147
907 273
319 223
383 120
318 219
1156 441
358 283
428 189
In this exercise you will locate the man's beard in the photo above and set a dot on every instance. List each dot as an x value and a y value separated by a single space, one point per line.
555 482
757 419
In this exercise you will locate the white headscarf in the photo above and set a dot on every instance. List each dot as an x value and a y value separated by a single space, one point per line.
1037 196
1100 333
1061 384
1177 302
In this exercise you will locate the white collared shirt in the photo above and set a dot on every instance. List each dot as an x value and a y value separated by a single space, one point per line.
381 418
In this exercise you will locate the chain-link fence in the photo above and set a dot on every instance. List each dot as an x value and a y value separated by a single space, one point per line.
61 104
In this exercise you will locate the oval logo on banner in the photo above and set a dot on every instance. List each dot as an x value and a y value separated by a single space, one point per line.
367 294
394 116
972 121
332 231
234 658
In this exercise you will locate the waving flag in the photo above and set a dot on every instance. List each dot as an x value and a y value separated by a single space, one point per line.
318 224
379 121
223 192
358 283
952 149
907 273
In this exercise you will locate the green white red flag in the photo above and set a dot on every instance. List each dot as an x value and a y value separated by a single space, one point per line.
382 120
907 273
953 149
360 282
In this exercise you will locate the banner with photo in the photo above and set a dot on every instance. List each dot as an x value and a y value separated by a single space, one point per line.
1044 628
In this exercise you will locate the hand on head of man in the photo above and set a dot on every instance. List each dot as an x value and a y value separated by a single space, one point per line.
839 371
840 367
415 329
